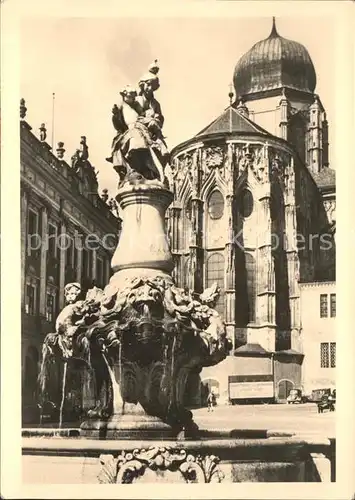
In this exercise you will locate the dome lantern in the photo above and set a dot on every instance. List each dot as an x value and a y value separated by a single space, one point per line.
274 63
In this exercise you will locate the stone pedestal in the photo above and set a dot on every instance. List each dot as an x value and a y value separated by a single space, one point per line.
143 241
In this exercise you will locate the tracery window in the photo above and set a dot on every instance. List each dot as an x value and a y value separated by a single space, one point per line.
246 203
216 205
250 266
215 274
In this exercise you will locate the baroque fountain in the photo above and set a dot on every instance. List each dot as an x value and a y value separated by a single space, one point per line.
142 336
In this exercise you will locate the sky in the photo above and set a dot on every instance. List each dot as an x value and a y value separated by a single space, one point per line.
86 61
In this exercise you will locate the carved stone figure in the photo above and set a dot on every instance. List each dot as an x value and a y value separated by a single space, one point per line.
139 145
81 154
42 132
165 462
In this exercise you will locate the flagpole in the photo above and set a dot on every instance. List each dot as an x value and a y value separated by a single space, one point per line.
53 100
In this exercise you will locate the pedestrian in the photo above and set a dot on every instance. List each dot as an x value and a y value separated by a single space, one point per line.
210 401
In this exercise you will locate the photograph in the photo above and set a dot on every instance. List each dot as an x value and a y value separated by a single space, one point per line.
177 202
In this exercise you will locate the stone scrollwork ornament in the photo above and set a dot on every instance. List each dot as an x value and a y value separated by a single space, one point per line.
214 157
164 461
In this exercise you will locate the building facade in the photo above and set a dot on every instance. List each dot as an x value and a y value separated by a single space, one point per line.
318 306
68 234
254 211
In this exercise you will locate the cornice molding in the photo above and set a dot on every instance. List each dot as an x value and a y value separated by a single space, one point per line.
315 284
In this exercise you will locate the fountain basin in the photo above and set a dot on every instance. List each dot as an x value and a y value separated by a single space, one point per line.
60 456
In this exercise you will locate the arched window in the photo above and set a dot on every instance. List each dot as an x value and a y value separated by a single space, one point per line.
245 203
187 224
215 274
186 277
216 205
251 286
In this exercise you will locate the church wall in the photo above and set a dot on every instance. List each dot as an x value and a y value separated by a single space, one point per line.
316 255
264 112
318 327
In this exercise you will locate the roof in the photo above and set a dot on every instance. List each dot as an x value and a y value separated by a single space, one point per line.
325 179
291 352
250 349
274 62
231 121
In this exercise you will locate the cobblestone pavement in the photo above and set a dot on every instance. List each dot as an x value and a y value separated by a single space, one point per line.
302 418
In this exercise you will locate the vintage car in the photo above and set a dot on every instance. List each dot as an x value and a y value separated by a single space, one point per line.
327 402
296 396
317 394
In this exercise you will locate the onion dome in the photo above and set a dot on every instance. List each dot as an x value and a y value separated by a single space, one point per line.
274 63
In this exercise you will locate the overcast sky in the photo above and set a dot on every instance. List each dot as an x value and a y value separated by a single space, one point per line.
86 61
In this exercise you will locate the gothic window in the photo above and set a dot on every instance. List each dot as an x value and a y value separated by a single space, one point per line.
251 285
246 203
323 305
332 305
186 277
216 205
215 274
188 209
187 221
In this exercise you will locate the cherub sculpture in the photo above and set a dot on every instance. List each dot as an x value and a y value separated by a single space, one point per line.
65 325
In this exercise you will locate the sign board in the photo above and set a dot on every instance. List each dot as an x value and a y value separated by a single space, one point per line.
249 390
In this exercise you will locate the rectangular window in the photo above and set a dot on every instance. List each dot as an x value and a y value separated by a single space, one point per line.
31 299
33 236
99 272
324 305
32 222
332 354
87 263
324 355
52 240
70 252
50 307
332 305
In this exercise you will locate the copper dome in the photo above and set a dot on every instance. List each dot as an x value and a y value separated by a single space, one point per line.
274 63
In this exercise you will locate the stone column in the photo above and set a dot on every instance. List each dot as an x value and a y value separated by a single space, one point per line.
78 242
292 255
24 216
62 262
229 281
174 238
265 311
196 251
43 265
265 301
93 264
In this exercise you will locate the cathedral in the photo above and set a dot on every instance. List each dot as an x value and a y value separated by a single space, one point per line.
254 211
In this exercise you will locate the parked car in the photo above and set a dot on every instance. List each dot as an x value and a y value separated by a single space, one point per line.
296 396
317 394
327 402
